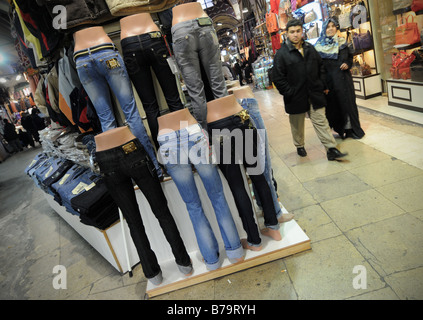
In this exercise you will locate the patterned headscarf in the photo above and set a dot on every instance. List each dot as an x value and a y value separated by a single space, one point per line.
328 47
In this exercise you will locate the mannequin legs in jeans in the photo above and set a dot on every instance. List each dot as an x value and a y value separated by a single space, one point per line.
118 168
235 179
178 151
100 70
141 53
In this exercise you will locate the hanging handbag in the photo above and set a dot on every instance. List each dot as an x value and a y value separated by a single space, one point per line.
272 22
344 19
407 33
417 5
362 41
310 16
313 32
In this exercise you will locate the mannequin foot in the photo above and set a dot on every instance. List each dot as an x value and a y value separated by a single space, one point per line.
274 234
245 245
236 260
156 280
285 217
187 271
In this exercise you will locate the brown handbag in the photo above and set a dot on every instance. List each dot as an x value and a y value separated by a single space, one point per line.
407 33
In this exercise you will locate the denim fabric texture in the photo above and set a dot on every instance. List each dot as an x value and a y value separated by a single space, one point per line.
100 70
141 53
195 45
252 106
73 172
179 150
238 155
119 167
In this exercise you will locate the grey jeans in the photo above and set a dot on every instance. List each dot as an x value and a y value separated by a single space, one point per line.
195 45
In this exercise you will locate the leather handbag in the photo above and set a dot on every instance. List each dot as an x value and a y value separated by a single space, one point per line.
407 33
362 41
344 20
417 5
401 65
365 69
310 16
272 22
313 32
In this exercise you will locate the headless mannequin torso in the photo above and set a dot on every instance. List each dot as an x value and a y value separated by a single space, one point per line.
187 11
137 24
90 37
242 92
113 138
175 120
222 108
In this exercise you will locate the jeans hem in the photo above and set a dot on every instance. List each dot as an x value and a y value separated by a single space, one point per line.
235 253
273 227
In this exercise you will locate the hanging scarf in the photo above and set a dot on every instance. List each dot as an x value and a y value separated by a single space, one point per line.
328 47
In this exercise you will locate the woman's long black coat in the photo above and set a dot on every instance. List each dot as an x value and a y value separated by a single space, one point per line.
341 102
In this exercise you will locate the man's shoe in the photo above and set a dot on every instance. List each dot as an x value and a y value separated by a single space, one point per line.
335 154
301 152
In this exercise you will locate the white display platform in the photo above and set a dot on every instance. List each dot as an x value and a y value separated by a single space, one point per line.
294 240
109 243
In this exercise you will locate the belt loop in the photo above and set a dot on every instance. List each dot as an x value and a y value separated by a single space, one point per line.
89 51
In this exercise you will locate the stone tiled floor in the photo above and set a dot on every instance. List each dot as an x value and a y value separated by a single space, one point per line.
364 211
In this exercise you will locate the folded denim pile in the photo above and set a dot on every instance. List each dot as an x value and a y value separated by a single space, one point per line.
79 148
78 189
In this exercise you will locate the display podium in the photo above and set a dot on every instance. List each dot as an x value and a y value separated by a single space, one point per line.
110 242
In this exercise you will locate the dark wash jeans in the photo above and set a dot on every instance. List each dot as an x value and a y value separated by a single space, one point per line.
232 172
117 167
140 53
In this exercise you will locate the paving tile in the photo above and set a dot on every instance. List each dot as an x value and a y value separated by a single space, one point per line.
407 193
359 209
335 186
392 245
326 272
385 172
316 223
270 282
408 285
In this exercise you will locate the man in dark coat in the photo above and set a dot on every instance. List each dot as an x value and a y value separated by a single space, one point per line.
299 76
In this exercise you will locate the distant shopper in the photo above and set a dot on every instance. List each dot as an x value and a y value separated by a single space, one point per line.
238 71
337 55
11 136
299 75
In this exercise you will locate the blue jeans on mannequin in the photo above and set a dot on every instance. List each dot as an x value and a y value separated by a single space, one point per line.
252 106
178 151
100 70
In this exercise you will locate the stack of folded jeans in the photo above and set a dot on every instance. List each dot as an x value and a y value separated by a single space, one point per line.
78 189
36 163
57 169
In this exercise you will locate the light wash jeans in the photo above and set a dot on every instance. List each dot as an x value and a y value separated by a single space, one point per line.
196 45
252 106
178 151
100 70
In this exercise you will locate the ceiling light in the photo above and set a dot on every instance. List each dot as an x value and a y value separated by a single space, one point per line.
18 77
3 80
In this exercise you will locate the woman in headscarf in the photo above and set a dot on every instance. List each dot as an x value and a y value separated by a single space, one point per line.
337 56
